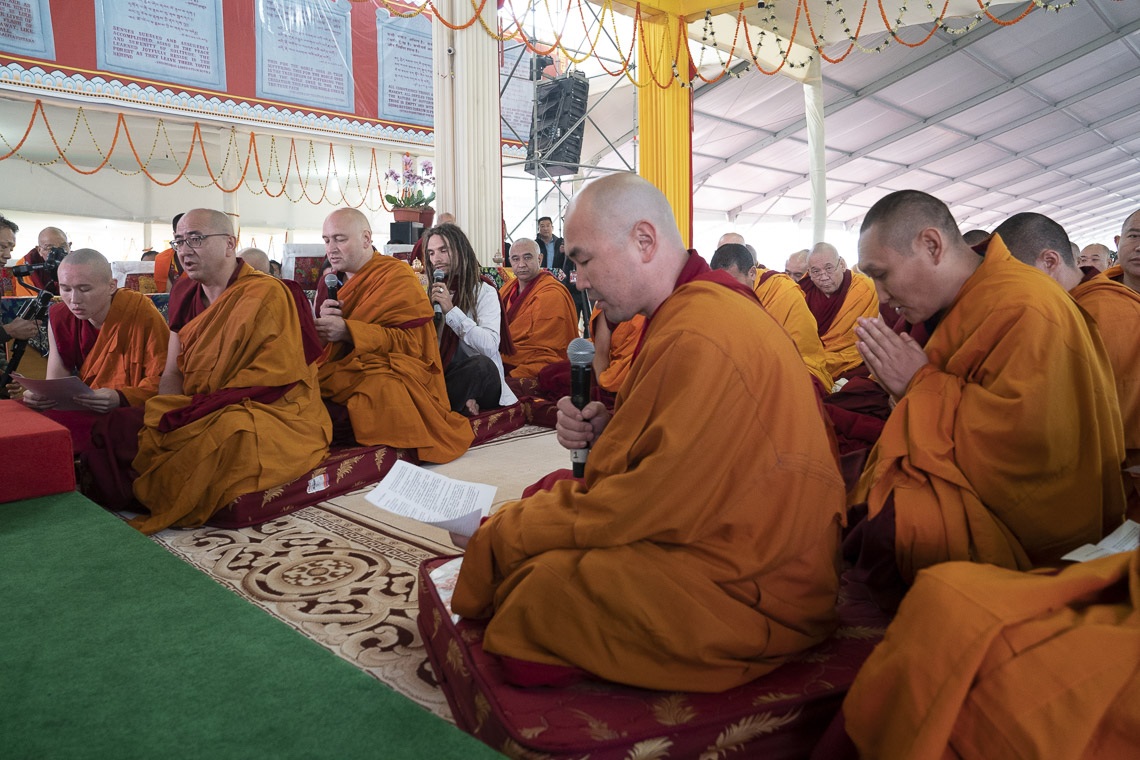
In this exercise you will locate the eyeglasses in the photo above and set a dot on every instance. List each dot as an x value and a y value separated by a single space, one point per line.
829 269
195 241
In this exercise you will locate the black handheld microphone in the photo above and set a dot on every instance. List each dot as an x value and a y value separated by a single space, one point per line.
581 353
332 284
439 276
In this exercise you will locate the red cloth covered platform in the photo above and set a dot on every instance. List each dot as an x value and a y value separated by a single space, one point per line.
37 457
347 469
781 715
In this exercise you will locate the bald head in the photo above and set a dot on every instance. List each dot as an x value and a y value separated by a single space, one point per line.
525 261
445 217
1095 255
621 234
900 216
730 237
348 240
256 258
797 264
86 285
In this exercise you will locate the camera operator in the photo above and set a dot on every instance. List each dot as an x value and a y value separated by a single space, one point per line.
17 329
50 238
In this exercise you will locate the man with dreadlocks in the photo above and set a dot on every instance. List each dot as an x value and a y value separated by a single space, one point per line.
474 331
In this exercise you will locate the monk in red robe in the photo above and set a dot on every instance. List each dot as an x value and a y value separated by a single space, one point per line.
381 369
641 573
837 298
1041 242
1005 443
540 312
113 340
985 662
239 409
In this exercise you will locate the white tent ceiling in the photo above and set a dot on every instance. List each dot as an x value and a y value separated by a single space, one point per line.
1042 115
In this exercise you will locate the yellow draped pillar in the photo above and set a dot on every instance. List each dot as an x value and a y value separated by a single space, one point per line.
665 117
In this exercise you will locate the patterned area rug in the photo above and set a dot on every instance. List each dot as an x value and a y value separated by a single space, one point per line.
343 573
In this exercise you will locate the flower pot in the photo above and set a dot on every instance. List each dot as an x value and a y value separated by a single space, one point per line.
406 214
427 216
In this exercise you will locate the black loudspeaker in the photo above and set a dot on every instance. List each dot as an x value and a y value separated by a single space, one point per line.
555 146
405 232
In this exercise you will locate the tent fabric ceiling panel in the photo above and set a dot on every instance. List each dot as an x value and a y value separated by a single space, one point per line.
918 146
862 124
994 114
1038 132
952 79
967 160
1073 78
1044 35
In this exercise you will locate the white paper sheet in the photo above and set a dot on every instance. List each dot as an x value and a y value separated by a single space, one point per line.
454 505
1124 539
61 391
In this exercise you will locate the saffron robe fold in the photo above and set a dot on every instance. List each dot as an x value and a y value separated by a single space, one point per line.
388 373
983 662
782 297
248 339
1116 309
838 332
126 354
624 339
648 575
1006 447
543 321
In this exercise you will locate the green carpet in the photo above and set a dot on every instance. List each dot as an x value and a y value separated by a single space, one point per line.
110 647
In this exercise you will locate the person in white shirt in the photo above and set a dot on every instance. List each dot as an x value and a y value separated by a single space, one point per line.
473 332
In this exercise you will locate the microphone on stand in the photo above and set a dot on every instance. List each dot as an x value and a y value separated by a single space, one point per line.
581 354
439 276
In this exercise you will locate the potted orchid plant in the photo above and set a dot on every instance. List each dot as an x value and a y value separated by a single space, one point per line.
410 200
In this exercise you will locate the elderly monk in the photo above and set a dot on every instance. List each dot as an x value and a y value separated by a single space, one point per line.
1006 441
636 574
1040 242
1127 269
837 298
381 370
113 340
239 409
797 265
984 662
256 258
540 312
1095 255
49 239
782 298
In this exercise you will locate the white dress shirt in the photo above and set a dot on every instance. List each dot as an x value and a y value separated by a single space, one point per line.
481 336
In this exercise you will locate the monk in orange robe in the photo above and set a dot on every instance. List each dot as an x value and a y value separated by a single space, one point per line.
638 574
837 298
614 348
382 366
1127 268
780 297
985 662
1006 440
239 409
113 340
1039 241
540 312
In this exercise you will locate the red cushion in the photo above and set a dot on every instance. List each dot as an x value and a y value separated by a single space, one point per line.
492 423
780 715
540 411
344 470
37 457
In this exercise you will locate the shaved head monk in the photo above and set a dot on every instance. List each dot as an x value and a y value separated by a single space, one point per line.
50 239
113 340
1095 255
837 298
640 574
797 265
1005 443
238 410
540 313
782 298
1127 269
1040 242
256 258
730 237
381 371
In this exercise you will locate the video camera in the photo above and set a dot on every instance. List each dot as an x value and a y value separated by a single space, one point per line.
49 266
34 311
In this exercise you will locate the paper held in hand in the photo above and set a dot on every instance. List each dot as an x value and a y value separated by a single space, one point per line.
454 505
1126 538
61 390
